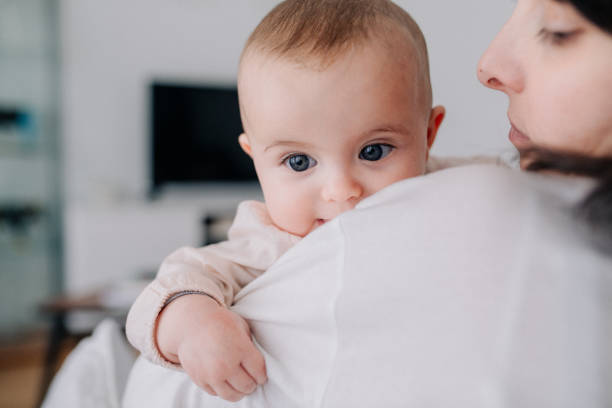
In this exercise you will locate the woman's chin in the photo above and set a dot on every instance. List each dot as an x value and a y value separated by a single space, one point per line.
525 161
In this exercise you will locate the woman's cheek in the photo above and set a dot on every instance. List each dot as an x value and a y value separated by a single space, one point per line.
541 116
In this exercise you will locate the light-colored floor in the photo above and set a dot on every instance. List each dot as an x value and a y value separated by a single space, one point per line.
21 364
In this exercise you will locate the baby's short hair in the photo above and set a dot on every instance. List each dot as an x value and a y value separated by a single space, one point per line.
322 30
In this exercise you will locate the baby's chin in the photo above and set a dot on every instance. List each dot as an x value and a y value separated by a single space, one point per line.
317 223
303 232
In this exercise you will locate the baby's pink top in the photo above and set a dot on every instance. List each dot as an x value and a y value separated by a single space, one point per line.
220 271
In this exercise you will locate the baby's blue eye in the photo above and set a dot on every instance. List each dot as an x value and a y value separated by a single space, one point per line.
300 162
375 152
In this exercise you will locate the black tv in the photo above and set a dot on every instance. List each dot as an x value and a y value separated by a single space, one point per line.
195 131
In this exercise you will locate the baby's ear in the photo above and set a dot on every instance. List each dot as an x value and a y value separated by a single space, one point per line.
244 142
435 120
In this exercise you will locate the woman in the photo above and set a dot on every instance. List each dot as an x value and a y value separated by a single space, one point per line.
554 65
470 287
553 59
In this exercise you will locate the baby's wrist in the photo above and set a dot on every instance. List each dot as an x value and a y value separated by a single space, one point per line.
178 319
185 293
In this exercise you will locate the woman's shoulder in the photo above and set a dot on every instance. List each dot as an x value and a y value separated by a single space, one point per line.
437 163
486 205
485 184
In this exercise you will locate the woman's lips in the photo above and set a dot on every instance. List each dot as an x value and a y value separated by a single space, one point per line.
518 138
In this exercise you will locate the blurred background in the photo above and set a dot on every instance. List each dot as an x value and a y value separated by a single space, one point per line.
111 156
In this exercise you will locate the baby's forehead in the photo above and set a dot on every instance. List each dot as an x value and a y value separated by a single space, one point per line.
395 51
357 94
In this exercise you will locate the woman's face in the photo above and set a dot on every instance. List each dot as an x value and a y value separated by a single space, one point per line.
556 68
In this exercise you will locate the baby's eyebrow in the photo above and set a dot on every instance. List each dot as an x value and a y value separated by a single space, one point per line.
391 128
287 143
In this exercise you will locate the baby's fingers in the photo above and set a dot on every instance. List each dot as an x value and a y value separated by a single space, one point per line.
241 381
227 392
255 365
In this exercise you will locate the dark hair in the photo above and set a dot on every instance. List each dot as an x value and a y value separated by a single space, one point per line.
596 208
599 12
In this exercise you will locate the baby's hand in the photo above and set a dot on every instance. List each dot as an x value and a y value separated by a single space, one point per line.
217 352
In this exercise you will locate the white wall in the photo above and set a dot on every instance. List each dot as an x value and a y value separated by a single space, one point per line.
113 48
458 32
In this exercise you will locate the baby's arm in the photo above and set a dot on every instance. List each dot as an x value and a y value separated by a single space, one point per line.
168 325
212 344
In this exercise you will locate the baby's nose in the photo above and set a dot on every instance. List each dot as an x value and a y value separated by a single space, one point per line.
342 188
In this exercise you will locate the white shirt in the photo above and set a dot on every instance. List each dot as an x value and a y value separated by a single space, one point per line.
470 287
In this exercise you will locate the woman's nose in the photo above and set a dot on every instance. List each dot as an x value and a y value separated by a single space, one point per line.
342 187
499 67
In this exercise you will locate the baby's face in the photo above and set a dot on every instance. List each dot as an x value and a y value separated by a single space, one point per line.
323 140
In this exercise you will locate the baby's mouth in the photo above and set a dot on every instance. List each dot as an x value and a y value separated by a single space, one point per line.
320 221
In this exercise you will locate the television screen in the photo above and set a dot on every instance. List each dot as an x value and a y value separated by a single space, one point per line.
195 131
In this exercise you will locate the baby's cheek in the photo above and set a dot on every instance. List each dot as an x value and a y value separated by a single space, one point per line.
291 215
413 166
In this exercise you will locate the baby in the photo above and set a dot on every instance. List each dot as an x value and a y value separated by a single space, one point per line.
336 104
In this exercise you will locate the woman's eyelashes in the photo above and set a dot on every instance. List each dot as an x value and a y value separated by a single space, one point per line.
557 37
375 151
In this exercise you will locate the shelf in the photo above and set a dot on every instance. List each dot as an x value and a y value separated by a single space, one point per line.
30 256
9 151
23 55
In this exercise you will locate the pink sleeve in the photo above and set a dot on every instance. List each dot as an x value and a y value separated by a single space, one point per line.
218 270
